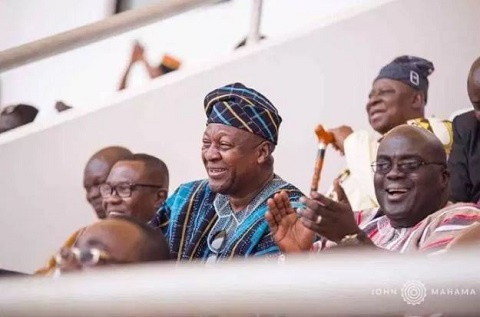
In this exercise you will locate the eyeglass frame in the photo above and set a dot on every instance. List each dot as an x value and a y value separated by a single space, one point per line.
401 166
98 255
131 187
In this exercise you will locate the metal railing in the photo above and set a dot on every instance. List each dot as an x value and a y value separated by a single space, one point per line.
90 33
111 26
255 20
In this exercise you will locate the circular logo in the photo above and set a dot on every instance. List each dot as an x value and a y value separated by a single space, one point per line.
414 292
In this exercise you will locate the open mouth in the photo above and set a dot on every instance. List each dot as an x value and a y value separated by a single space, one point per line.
376 113
396 193
216 172
116 213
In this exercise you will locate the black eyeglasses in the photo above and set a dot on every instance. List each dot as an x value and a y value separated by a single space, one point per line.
216 245
404 166
124 190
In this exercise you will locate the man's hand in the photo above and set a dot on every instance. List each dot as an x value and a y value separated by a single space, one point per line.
330 219
341 196
340 134
137 53
288 231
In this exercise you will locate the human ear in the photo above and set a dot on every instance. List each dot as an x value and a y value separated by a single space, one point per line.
264 152
161 197
418 101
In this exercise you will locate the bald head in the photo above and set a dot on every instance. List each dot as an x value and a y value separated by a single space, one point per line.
96 173
431 147
411 179
473 86
126 239
120 240
111 154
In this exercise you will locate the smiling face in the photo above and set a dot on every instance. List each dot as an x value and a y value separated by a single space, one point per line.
143 201
95 174
232 159
391 103
410 193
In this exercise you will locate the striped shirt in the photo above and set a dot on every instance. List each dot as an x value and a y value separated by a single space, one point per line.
194 214
431 235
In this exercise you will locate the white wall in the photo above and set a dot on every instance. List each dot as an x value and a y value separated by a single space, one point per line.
319 76
83 76
23 21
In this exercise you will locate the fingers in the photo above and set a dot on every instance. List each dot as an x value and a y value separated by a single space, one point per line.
326 217
273 212
339 190
279 206
312 225
271 222
314 208
284 203
309 213
317 209
314 221
341 196
328 203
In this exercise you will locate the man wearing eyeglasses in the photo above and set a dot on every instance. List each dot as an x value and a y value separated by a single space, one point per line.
223 216
398 96
136 186
411 185
113 241
464 161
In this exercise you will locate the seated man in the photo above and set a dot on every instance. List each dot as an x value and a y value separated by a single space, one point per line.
96 173
398 96
15 116
167 65
223 216
411 185
464 161
119 240
136 186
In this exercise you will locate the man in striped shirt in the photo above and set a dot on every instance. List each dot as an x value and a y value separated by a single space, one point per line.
411 185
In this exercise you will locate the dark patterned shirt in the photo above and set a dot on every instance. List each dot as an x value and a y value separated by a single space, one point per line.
194 214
